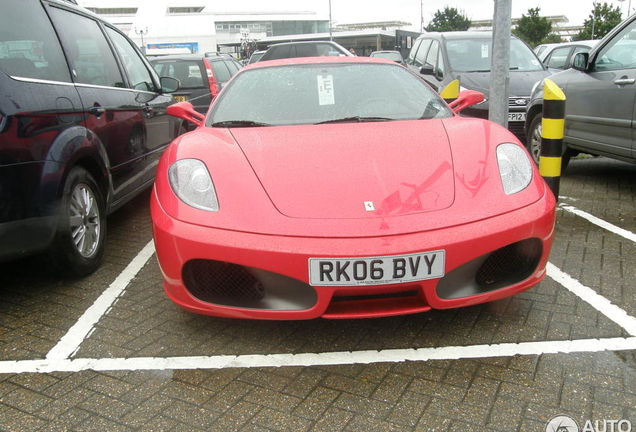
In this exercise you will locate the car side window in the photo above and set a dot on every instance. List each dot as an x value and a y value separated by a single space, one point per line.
411 57
420 56
89 55
557 58
232 66
434 59
620 52
31 51
220 71
140 78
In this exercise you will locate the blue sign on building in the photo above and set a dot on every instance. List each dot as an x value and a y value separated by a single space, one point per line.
192 46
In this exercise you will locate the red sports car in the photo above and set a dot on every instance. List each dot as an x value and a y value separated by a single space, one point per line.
345 187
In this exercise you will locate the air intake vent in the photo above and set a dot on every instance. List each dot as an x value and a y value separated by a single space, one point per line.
219 282
509 265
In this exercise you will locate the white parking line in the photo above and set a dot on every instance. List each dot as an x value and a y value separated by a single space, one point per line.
58 359
71 341
597 301
600 222
319 359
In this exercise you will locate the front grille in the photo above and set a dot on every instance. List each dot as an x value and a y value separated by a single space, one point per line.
509 265
220 282
516 128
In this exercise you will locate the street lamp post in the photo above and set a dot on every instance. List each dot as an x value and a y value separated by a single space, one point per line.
142 33
330 35
593 18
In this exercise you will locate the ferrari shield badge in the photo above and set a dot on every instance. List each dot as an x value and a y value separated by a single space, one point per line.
368 206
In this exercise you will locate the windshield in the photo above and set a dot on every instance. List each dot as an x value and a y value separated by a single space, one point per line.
327 92
474 55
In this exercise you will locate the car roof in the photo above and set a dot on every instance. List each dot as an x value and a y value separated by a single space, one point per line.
190 57
317 60
461 35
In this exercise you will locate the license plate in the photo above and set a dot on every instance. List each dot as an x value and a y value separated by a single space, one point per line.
516 117
382 270
180 98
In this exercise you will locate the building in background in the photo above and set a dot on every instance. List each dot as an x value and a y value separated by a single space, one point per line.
165 27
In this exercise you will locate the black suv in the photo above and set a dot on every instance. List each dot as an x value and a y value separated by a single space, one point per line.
82 126
201 76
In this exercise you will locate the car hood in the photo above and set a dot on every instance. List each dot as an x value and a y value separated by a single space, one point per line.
420 175
353 170
520 84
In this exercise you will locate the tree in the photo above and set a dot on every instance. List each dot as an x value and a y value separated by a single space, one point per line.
448 20
552 38
533 29
602 19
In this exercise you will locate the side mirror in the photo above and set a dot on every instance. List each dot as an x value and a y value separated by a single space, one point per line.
466 99
427 69
185 111
581 61
169 84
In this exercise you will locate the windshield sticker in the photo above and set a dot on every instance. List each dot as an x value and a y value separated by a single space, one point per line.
325 90
484 50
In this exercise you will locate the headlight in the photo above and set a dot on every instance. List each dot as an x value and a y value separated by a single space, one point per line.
191 182
515 168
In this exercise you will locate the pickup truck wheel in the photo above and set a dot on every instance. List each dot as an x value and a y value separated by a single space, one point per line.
78 246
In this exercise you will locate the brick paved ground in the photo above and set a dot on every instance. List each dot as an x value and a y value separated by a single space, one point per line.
497 393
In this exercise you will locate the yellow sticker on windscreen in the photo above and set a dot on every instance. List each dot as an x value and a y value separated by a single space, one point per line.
325 90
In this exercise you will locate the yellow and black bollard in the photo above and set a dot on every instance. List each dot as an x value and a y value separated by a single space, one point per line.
552 128
451 91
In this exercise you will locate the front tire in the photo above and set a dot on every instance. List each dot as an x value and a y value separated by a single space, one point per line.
533 143
79 243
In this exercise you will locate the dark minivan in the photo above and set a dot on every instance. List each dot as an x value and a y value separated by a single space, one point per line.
82 126
443 57
201 76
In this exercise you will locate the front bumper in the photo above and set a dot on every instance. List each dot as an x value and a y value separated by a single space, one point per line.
270 277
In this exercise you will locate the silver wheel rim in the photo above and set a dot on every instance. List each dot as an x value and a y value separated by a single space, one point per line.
84 220
535 142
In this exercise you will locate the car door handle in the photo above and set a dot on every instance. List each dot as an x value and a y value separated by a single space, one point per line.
97 111
625 81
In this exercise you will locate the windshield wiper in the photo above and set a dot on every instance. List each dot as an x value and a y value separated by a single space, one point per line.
356 119
238 123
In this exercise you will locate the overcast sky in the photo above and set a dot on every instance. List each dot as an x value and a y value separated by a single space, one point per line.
355 11
347 11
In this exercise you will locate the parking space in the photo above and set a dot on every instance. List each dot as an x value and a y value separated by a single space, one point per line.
112 352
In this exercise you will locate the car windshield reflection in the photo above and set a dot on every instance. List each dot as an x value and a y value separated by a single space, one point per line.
325 93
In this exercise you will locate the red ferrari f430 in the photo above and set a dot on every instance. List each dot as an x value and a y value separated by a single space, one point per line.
345 187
